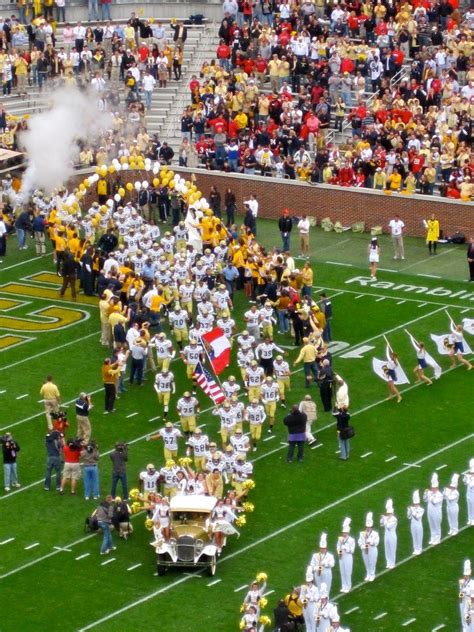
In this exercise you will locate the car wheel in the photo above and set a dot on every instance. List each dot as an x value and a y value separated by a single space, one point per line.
211 569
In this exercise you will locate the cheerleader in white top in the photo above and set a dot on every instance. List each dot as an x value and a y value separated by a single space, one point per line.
345 548
254 594
458 349
468 480
451 496
309 596
415 514
389 522
434 501
161 519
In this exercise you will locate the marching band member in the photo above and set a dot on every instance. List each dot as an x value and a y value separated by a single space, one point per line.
389 522
468 479
345 548
336 624
309 596
415 514
469 613
466 584
324 610
368 544
451 496
322 564
434 500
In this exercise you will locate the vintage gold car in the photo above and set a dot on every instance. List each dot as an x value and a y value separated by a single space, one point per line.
190 543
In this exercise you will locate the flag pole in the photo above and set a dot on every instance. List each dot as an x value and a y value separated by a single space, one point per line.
411 336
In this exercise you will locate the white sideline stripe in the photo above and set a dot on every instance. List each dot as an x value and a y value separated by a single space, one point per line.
111 559
39 355
380 616
32 546
352 610
412 265
409 622
363 456
270 438
6 541
132 568
216 581
22 396
386 269
269 592
338 263
441 467
274 534
21 263
81 557
430 276
131 415
438 627
391 458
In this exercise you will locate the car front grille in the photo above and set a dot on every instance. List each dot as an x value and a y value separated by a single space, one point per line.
185 548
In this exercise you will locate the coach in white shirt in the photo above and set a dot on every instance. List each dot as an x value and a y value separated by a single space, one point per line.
396 226
253 205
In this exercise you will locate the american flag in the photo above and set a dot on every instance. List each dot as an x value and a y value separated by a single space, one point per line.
208 384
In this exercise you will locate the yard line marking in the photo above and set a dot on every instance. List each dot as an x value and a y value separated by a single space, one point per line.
154 418
42 353
445 252
380 616
441 467
269 592
401 302
354 609
132 568
196 575
421 305
430 276
111 559
360 296
1 393
131 415
462 312
21 263
391 458
270 438
438 627
284 443
411 465
81 557
382 298
319 445
274 534
22 396
62 548
386 269
364 456
338 263
6 541
409 622
400 563
337 452
216 581
32 546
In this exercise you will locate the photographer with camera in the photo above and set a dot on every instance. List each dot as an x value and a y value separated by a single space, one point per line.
10 451
83 406
121 518
89 460
54 447
119 458
72 468
104 514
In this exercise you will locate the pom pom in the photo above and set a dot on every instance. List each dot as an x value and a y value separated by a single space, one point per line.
134 494
261 577
264 620
249 484
262 602
241 521
149 524
248 507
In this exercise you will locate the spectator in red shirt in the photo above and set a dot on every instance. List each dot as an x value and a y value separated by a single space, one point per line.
72 468
223 55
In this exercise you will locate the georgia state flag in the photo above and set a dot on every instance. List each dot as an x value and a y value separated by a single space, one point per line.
218 349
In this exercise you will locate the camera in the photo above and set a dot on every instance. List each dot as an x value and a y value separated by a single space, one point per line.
121 447
91 446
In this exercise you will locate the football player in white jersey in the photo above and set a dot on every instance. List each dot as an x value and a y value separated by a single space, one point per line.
191 355
170 436
188 410
255 415
164 351
149 479
164 386
198 444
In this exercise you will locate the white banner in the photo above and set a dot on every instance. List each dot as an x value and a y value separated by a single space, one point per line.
442 343
380 368
468 324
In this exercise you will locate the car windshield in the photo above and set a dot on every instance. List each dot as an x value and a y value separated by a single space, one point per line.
189 517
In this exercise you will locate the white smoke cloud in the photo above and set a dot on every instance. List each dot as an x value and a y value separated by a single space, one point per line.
50 142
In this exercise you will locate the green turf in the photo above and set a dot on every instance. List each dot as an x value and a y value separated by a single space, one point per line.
432 427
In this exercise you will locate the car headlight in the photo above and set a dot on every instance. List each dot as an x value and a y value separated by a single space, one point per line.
172 543
199 545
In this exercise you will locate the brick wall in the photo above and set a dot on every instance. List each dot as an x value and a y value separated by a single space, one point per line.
344 205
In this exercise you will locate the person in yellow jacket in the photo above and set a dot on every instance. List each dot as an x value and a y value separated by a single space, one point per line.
59 246
432 235
208 225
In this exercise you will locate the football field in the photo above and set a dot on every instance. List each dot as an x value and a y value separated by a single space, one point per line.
51 573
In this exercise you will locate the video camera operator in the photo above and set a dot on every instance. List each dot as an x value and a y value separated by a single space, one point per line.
119 458
54 447
10 451
72 468
89 460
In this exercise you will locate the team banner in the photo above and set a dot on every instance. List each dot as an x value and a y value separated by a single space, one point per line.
380 368
430 361
468 325
445 344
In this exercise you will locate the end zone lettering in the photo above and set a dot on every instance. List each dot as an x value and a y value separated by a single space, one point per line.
415 289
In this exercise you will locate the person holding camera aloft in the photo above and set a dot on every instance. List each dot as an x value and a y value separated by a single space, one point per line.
72 468
90 468
119 458
83 406
10 451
